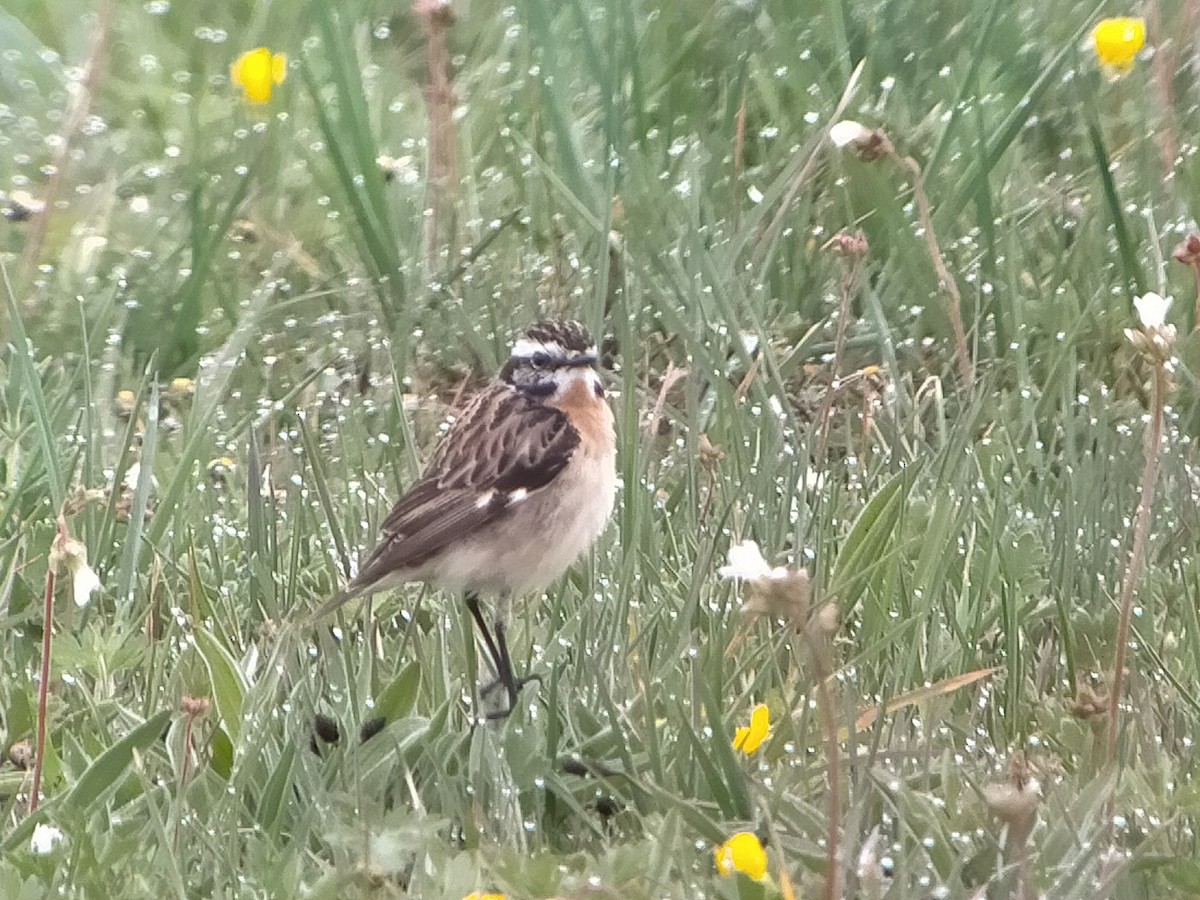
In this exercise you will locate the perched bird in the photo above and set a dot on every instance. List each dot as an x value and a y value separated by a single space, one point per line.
521 484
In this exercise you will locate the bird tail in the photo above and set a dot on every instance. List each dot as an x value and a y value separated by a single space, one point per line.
337 601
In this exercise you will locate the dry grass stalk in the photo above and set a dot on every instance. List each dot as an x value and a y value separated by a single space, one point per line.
872 144
436 17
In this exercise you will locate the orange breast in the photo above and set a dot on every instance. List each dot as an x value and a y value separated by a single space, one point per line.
590 415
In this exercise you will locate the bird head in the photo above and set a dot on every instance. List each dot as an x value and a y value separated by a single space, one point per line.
550 357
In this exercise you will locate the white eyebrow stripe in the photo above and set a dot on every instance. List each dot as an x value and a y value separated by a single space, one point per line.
526 347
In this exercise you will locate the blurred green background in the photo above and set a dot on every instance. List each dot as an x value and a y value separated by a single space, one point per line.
661 172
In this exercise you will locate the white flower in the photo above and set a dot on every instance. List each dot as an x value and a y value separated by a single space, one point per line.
72 553
400 168
133 473
747 563
848 133
45 839
1152 309
869 868
84 582
773 591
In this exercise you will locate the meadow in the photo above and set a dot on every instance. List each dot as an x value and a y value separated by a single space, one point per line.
865 275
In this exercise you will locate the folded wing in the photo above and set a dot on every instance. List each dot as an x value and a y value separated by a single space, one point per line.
503 448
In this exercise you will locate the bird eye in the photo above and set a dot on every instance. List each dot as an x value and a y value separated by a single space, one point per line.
539 360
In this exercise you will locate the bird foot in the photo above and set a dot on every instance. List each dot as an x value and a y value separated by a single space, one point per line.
512 688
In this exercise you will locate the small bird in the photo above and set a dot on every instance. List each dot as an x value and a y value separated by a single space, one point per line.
521 484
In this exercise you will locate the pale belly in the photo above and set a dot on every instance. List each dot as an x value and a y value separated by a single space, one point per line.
539 540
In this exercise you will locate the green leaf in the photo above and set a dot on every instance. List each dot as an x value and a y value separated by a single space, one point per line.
26 370
271 804
400 696
702 755
1011 127
225 678
222 753
734 776
105 775
869 535
1129 254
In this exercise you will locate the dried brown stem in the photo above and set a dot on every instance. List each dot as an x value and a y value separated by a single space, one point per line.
673 375
1141 531
1162 66
436 17
822 672
909 169
852 250
183 776
193 708
1196 310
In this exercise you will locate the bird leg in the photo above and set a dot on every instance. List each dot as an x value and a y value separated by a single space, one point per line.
472 599
501 658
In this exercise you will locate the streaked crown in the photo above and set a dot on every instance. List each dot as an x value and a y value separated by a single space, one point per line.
544 357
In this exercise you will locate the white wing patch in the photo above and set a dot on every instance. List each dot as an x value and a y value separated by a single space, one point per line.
485 500
518 495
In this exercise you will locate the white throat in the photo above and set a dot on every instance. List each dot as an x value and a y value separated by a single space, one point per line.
565 379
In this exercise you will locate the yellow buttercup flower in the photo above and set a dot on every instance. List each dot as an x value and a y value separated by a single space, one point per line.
257 72
1118 42
475 895
750 737
742 853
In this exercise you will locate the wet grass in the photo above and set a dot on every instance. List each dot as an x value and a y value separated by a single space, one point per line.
661 172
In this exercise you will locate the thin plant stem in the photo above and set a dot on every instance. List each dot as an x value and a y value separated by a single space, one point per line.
1141 531
184 771
739 149
44 686
1162 68
1196 310
912 172
849 287
435 19
806 169
822 673
852 250
193 708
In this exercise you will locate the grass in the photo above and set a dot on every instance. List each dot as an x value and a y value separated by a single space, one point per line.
661 172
